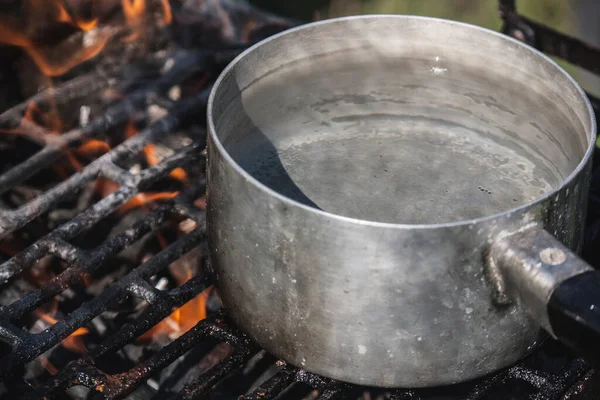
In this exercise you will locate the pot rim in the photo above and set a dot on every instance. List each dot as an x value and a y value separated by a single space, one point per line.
591 133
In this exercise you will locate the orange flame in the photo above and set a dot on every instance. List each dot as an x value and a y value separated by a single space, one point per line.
64 16
151 156
48 366
130 130
179 174
90 149
46 66
167 14
73 161
191 312
51 119
35 118
134 13
181 320
105 187
152 159
16 34
188 315
31 110
142 199
73 342
93 147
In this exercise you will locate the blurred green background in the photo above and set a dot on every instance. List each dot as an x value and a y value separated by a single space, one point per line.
558 13
575 17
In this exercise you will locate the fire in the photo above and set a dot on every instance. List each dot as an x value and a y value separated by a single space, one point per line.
73 342
75 164
93 147
167 14
48 366
151 156
135 10
64 16
20 33
48 67
152 159
134 13
36 123
104 187
188 315
179 174
89 149
17 33
130 130
181 320
142 199
191 312
50 120
11 35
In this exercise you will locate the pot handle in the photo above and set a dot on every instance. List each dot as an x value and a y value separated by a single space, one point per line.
556 287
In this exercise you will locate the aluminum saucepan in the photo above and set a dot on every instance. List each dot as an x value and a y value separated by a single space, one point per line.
397 201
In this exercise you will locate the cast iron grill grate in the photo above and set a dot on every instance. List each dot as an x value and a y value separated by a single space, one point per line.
551 373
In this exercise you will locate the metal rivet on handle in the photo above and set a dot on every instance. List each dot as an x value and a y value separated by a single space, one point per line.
553 256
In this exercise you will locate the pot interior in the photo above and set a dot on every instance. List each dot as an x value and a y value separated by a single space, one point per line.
403 124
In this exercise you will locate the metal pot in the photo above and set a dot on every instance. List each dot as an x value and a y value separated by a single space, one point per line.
396 200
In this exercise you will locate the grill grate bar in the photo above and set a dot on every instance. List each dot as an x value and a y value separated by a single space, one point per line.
83 372
15 219
337 393
153 315
10 333
96 260
216 328
405 395
274 386
31 345
184 65
110 203
205 383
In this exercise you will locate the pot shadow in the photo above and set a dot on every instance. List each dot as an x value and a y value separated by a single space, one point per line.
250 147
